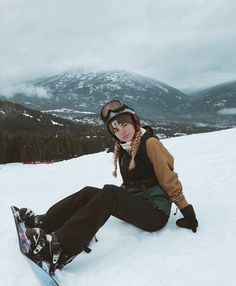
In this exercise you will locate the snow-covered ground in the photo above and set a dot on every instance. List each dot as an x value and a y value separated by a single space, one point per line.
124 254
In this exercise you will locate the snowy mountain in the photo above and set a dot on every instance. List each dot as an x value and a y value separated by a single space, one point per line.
78 93
124 254
219 99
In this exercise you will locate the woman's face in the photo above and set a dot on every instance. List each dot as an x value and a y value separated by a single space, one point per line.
124 132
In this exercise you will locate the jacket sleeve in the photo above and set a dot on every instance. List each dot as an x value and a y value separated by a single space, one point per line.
163 164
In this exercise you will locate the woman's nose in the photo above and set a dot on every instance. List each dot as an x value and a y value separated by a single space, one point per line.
122 130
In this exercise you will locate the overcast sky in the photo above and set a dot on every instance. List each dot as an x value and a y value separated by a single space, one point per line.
184 43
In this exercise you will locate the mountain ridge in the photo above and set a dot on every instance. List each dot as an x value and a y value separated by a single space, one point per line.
89 91
79 93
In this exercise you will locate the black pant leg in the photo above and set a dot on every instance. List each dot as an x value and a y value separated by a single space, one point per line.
78 231
61 212
140 212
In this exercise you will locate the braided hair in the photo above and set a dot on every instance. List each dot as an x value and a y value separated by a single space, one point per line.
134 149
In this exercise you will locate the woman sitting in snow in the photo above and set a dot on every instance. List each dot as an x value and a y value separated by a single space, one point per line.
144 199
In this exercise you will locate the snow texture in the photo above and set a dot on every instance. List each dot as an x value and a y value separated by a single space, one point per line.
56 123
124 254
227 111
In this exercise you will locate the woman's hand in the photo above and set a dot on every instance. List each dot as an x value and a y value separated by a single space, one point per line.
189 220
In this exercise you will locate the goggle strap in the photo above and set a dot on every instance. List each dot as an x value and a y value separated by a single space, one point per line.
112 114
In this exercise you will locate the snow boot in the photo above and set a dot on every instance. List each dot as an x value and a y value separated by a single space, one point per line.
31 220
45 249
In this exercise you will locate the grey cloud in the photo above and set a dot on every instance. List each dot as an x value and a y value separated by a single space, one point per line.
26 89
183 43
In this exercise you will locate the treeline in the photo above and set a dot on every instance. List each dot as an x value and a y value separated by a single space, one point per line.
29 136
31 147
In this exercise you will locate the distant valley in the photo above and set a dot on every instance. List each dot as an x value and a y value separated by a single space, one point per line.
57 118
79 95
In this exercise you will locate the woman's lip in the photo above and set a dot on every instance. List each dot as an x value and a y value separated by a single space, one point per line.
126 136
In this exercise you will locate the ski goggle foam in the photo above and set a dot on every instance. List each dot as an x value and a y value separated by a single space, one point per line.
113 109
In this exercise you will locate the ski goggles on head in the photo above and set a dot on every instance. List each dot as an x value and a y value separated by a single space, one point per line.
113 109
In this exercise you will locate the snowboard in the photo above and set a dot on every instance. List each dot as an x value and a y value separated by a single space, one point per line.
40 273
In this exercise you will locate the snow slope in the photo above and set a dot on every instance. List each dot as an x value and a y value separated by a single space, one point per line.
124 254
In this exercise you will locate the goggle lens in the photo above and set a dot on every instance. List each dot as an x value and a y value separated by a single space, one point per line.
109 107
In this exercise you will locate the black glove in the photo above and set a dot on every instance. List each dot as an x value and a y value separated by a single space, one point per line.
189 220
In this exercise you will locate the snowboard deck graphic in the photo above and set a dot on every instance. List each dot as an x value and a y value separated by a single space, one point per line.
42 275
